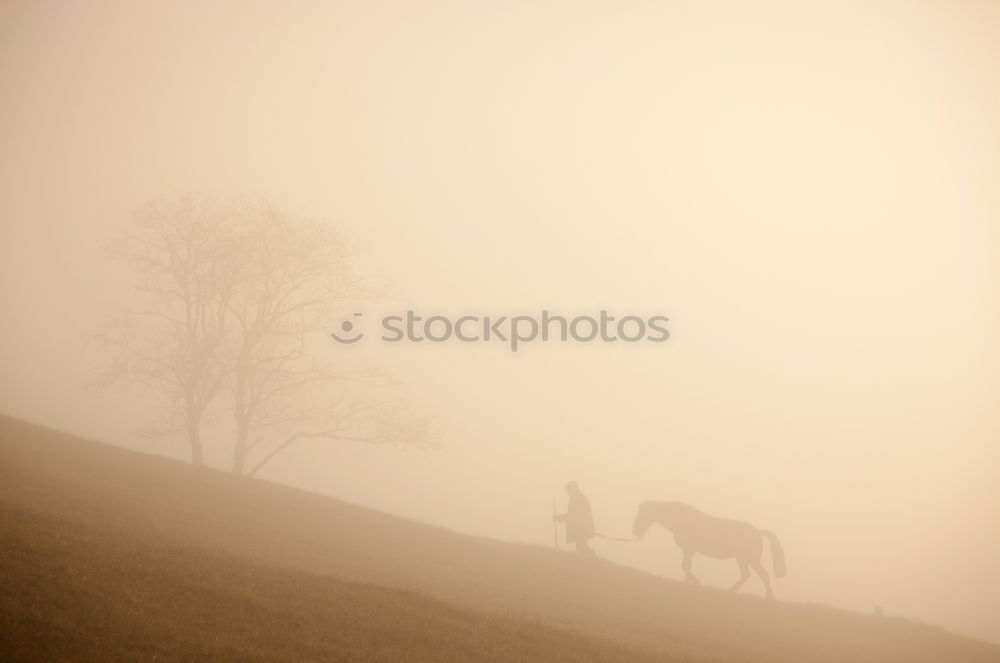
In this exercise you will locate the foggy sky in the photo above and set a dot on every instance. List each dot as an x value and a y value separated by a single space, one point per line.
811 195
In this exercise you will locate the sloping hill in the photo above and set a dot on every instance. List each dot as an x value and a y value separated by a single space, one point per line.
279 534
74 593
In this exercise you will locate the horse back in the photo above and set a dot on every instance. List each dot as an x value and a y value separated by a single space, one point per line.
723 538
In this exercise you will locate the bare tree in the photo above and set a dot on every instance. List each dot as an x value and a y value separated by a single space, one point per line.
295 272
170 336
233 295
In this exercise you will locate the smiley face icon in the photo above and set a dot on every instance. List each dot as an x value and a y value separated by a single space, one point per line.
347 326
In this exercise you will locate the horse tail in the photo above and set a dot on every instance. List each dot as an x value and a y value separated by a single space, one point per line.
777 553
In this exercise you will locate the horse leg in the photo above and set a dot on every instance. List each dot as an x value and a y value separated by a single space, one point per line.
759 568
686 565
744 574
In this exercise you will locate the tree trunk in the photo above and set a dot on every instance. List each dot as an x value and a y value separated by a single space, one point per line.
239 455
242 408
240 448
194 438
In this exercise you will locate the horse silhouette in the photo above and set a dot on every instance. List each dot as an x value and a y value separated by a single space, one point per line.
719 538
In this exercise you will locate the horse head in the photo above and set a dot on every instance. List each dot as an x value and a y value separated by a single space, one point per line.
643 519
668 514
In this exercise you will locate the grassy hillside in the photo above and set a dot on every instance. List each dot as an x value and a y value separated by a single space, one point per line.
75 593
144 531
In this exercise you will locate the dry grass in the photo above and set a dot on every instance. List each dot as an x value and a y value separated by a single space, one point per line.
73 593
216 567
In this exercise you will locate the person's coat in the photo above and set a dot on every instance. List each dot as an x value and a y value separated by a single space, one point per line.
579 520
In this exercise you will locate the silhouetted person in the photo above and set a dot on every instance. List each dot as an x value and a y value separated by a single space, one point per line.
579 521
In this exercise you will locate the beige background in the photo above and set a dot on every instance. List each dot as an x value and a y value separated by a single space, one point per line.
810 192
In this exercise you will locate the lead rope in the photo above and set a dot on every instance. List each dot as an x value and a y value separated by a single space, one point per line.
615 538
